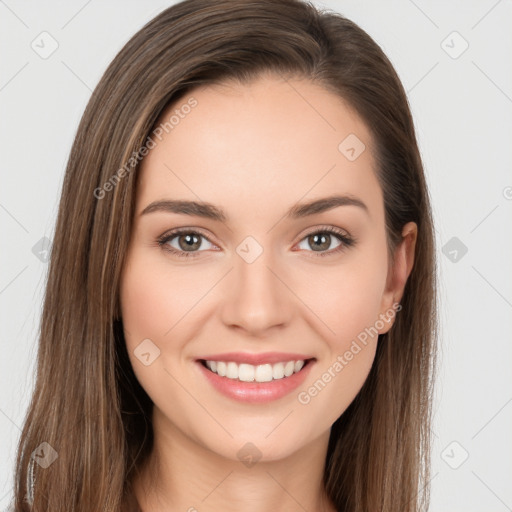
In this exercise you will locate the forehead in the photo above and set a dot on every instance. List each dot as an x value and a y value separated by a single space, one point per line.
260 146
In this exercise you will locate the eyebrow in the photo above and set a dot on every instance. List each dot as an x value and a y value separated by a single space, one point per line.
210 211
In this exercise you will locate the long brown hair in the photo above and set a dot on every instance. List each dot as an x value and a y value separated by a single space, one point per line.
87 404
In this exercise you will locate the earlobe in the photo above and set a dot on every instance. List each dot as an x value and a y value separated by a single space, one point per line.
398 274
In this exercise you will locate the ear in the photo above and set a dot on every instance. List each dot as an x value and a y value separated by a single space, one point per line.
398 274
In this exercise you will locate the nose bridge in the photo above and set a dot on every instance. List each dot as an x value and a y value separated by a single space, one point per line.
255 298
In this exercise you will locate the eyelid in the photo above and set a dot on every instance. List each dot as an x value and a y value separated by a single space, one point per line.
324 228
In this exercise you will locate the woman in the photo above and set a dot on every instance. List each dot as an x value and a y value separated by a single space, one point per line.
240 309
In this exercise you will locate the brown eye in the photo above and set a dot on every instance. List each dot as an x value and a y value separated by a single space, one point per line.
189 242
184 242
320 241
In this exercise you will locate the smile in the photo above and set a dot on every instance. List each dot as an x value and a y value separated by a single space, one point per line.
250 383
251 373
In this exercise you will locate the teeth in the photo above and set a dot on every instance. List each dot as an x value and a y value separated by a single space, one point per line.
232 371
221 368
298 366
249 373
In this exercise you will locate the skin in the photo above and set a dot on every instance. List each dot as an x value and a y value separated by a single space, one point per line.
255 151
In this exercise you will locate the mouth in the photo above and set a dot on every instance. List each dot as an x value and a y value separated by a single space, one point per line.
258 383
245 372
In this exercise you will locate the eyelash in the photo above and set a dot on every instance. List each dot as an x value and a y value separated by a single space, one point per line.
346 241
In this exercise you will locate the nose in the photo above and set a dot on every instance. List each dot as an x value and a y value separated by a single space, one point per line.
255 296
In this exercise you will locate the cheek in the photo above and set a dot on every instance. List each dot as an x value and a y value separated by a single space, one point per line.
154 305
357 303
351 309
142 302
346 299
154 298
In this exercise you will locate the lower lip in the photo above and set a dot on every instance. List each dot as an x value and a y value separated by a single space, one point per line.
256 392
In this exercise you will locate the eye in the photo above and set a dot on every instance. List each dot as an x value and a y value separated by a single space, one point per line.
187 243
321 240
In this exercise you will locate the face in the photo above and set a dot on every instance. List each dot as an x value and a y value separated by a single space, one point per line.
261 279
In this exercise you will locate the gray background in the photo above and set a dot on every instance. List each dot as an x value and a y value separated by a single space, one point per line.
462 106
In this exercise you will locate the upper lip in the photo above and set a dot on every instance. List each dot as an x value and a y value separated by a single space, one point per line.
256 359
